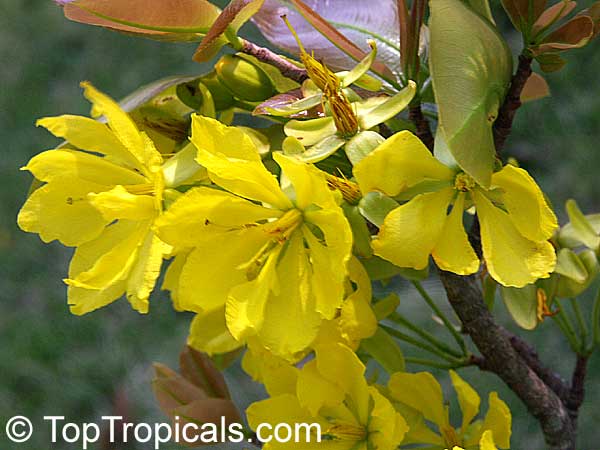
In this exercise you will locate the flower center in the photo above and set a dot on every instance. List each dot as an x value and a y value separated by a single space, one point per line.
283 227
450 438
347 432
464 182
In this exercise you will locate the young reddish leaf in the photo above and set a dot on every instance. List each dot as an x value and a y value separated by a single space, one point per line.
518 11
550 62
178 20
357 20
199 369
576 33
553 15
338 39
236 14
535 88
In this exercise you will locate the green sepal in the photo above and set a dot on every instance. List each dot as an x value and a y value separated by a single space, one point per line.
522 305
385 350
360 231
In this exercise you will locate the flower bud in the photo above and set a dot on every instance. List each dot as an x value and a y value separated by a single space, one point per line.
244 80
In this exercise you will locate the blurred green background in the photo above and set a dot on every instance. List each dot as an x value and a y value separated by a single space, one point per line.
53 363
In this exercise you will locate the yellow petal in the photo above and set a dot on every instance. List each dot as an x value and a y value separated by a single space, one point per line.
89 134
274 411
357 320
209 333
109 258
145 272
83 301
511 259
314 391
290 321
387 428
278 375
340 365
422 392
171 281
213 268
310 186
202 213
487 441
498 420
410 232
59 164
468 399
327 275
402 161
453 252
60 210
525 203
119 122
120 204
233 162
246 301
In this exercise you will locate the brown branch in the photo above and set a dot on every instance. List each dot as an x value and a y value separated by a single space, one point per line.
287 68
512 102
500 357
424 133
548 376
577 392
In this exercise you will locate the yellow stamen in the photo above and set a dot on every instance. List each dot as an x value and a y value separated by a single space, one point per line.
464 182
347 432
140 189
343 114
349 189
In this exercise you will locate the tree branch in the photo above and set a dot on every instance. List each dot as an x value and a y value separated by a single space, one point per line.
415 114
287 69
512 102
500 357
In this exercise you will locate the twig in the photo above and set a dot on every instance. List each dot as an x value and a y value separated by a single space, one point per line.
548 376
415 114
577 393
512 102
287 69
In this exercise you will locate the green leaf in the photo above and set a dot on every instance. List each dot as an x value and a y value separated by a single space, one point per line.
522 305
385 350
381 269
174 20
471 67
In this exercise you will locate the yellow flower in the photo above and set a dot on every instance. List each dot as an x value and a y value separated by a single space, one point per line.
331 391
102 194
421 399
516 222
274 258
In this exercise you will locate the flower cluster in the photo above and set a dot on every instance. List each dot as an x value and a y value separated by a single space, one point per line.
272 252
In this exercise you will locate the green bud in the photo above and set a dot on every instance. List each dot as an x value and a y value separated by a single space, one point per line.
191 94
244 80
